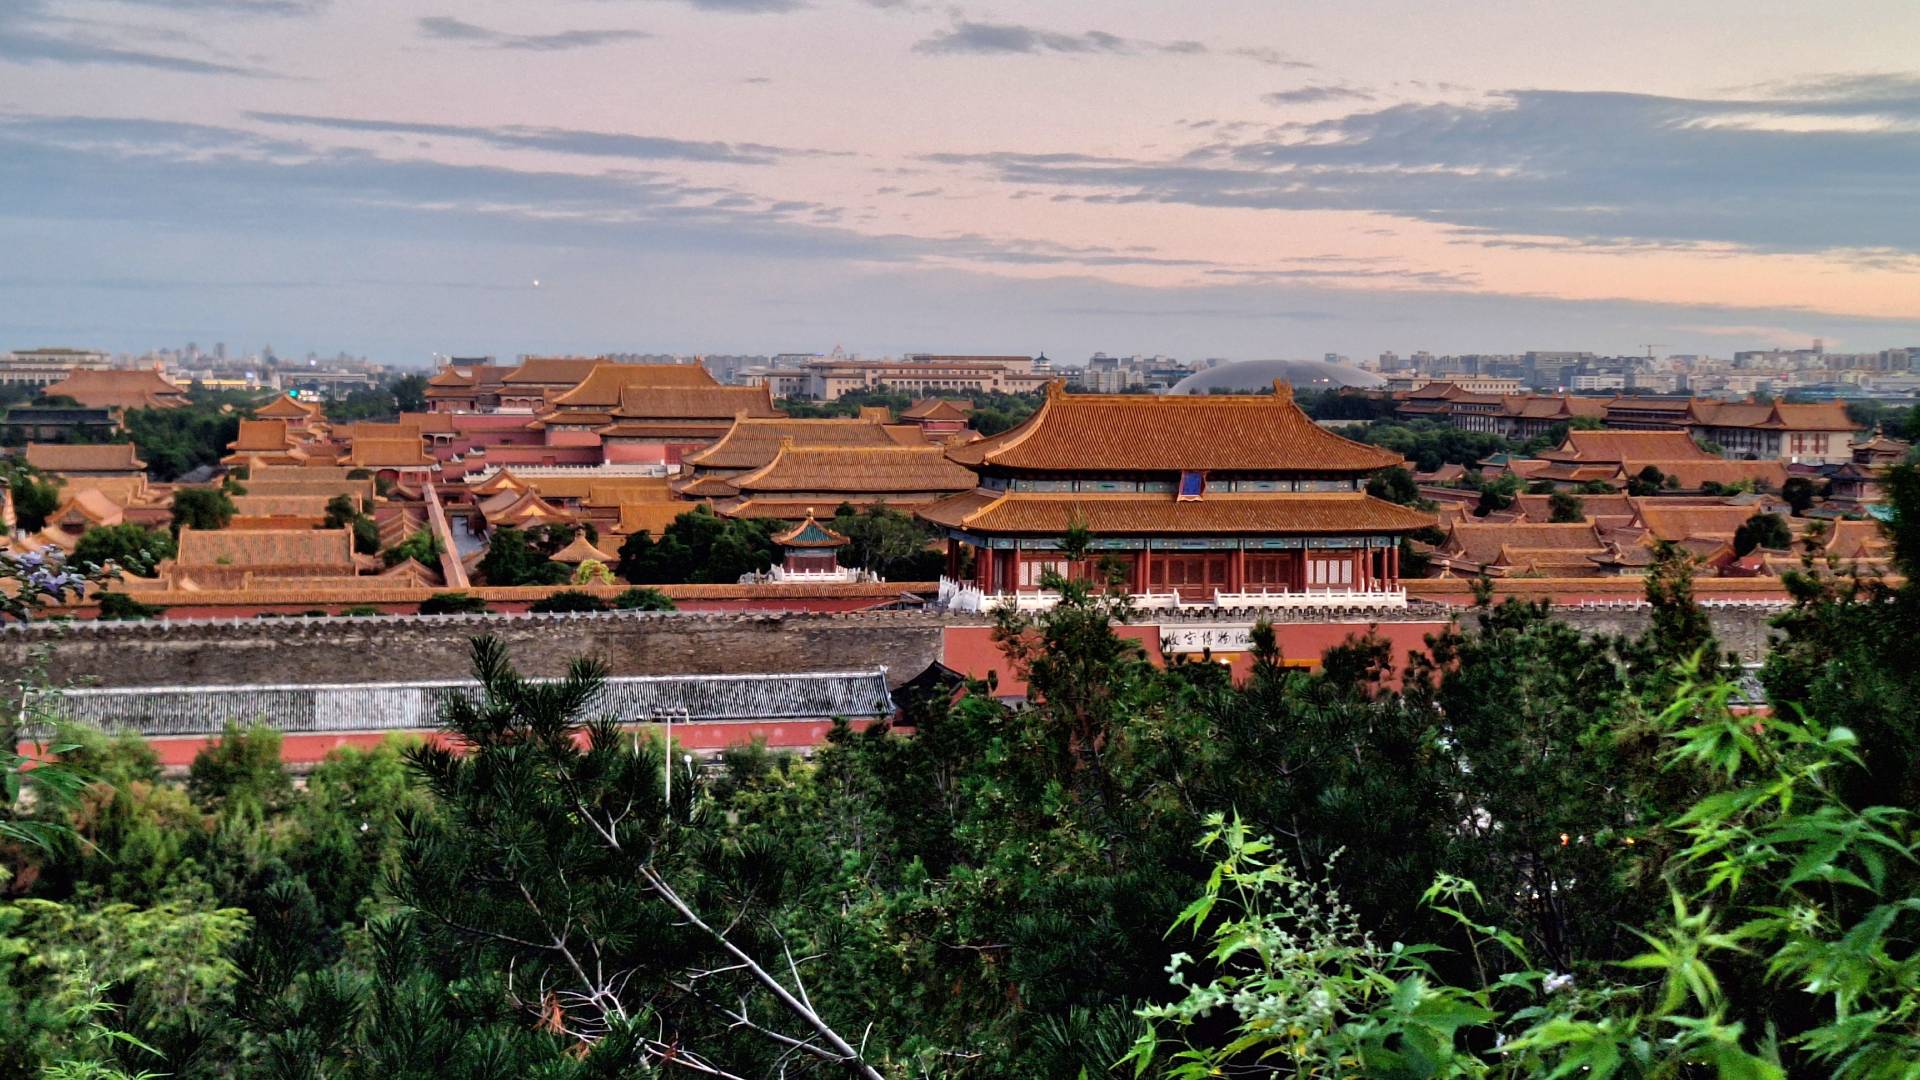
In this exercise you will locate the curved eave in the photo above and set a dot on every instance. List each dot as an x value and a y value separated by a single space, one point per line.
1288 514
1144 434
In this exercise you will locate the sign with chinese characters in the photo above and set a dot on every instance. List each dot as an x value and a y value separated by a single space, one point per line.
1201 637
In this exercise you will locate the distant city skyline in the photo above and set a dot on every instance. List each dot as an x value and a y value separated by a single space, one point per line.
1241 181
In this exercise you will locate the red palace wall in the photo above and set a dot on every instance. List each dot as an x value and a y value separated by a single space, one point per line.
306 751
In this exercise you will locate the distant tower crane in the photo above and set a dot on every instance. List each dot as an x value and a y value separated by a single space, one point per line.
1650 348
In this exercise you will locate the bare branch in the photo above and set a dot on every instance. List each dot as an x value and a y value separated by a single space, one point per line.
848 1055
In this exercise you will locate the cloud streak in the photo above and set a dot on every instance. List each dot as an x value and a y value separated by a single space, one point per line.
28 35
240 7
1315 94
555 140
448 28
747 7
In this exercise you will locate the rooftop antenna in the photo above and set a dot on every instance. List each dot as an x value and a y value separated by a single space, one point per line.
1650 348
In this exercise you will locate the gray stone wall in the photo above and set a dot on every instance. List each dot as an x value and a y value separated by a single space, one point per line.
1741 627
343 650
407 648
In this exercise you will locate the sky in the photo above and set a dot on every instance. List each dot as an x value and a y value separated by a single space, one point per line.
1236 178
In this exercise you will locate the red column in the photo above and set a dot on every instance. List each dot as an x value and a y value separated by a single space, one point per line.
1237 571
1013 568
1146 566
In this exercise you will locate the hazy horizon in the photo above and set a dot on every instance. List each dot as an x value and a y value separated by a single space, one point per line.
757 176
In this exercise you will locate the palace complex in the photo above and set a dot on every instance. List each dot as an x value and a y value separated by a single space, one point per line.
1197 502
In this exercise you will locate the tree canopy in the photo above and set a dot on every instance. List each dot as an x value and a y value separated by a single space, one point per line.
135 549
36 495
700 547
202 508
1518 851
519 557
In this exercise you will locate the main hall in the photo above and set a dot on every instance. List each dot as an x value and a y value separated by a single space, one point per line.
1215 498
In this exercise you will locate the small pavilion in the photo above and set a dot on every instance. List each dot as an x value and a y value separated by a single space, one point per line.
809 551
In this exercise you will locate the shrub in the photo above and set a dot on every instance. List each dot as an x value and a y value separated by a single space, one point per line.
644 600
453 603
119 607
242 769
202 508
422 547
1762 531
134 548
568 600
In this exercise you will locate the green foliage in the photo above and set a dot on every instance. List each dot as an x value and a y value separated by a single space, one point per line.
1782 947
1394 484
555 860
1762 531
887 542
1903 497
1899 421
568 600
119 607
36 495
1589 863
453 603
241 773
343 512
1566 508
1430 445
410 393
96 1040
1650 481
1844 654
991 413
1305 982
1799 493
358 611
176 441
996 413
848 404
167 962
422 547
643 599
700 547
202 508
591 572
1497 494
514 558
340 511
135 549
1345 404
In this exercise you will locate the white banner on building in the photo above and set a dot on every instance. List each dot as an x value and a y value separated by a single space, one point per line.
1200 637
